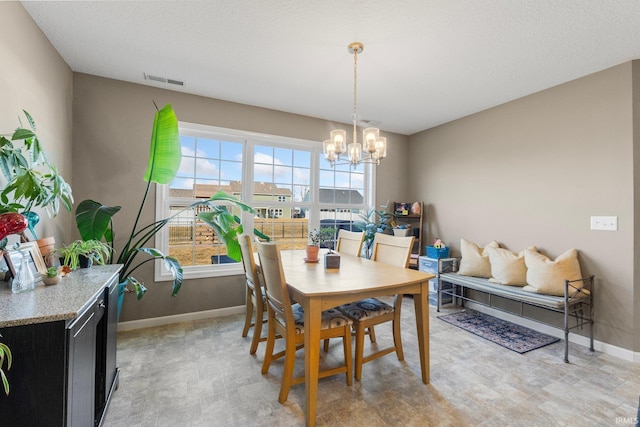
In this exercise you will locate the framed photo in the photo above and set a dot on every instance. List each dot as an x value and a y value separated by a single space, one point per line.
401 209
36 256
13 259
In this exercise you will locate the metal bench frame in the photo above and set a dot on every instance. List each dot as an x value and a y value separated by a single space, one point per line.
579 306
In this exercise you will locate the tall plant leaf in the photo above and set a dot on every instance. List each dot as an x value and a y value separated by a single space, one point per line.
94 220
165 153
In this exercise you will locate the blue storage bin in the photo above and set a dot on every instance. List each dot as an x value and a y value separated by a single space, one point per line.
437 252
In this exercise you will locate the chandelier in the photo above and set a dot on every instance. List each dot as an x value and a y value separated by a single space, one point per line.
373 146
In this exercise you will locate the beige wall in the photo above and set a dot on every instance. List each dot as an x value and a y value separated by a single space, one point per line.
636 204
112 128
34 78
532 172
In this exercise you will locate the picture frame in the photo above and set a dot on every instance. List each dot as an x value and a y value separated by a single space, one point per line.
36 256
13 259
402 209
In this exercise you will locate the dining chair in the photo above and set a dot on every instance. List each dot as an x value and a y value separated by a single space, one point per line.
372 311
255 294
287 319
349 242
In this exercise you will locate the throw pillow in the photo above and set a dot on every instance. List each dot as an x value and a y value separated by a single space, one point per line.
507 267
475 260
545 276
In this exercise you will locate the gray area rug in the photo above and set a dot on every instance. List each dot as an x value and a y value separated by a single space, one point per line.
507 334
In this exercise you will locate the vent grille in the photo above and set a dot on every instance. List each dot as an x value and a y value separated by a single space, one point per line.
163 80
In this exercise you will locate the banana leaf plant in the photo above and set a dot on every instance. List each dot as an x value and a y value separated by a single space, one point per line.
94 220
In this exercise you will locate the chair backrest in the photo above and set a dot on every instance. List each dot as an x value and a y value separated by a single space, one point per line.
392 250
274 281
350 242
249 264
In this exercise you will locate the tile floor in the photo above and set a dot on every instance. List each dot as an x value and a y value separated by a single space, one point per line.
200 373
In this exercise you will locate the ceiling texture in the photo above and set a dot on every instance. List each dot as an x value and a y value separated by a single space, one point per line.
425 62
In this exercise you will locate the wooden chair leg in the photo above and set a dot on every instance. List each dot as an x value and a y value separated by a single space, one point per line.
248 314
268 353
359 350
346 342
287 374
372 334
257 330
326 345
397 337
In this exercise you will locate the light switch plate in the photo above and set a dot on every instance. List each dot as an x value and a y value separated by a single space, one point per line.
606 223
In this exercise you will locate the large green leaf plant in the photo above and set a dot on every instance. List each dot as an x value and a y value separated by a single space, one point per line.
95 221
30 179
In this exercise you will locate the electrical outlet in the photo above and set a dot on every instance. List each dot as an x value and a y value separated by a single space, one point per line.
607 223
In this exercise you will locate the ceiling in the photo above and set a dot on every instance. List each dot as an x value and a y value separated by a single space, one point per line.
425 62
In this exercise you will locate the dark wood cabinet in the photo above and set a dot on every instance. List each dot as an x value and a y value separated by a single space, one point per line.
64 371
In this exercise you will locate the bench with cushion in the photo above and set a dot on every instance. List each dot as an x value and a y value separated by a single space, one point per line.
574 302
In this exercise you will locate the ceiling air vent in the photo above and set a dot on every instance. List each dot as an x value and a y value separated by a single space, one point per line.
163 79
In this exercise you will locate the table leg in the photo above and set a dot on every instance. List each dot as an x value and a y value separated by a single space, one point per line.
421 305
312 325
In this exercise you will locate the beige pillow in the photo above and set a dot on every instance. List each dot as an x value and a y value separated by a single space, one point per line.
545 276
475 262
507 267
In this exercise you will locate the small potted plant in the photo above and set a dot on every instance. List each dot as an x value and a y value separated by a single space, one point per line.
313 246
83 253
317 238
52 277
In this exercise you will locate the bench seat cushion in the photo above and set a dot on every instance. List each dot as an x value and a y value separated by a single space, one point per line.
506 291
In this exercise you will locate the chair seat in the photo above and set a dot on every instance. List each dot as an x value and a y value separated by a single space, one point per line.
365 309
331 318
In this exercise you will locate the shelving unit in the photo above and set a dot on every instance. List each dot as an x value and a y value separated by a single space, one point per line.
416 222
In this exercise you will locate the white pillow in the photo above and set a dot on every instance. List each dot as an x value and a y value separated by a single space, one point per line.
475 262
545 276
507 267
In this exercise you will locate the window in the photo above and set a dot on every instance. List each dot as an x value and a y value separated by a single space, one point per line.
291 188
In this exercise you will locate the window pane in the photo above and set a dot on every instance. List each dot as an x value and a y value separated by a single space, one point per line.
283 156
207 168
231 171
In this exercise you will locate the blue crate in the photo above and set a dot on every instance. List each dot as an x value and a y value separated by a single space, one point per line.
437 252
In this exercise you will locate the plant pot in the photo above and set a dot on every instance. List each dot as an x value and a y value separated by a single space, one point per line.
46 246
312 253
51 280
85 262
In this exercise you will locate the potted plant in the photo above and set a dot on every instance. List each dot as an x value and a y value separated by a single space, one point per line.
372 222
52 276
318 237
5 353
30 179
82 253
94 220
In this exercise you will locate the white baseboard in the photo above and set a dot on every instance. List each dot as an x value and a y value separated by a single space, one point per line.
176 318
612 350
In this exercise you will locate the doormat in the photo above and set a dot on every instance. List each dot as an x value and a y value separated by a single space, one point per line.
507 334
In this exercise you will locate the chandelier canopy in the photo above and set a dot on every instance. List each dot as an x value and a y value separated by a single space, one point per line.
373 146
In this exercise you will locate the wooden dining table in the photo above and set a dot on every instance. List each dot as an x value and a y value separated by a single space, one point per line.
317 288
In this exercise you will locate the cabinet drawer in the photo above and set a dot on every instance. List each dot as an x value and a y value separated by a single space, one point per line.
428 265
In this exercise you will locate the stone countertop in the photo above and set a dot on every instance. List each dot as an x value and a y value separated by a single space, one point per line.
63 301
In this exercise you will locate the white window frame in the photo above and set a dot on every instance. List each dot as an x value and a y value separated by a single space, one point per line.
249 140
